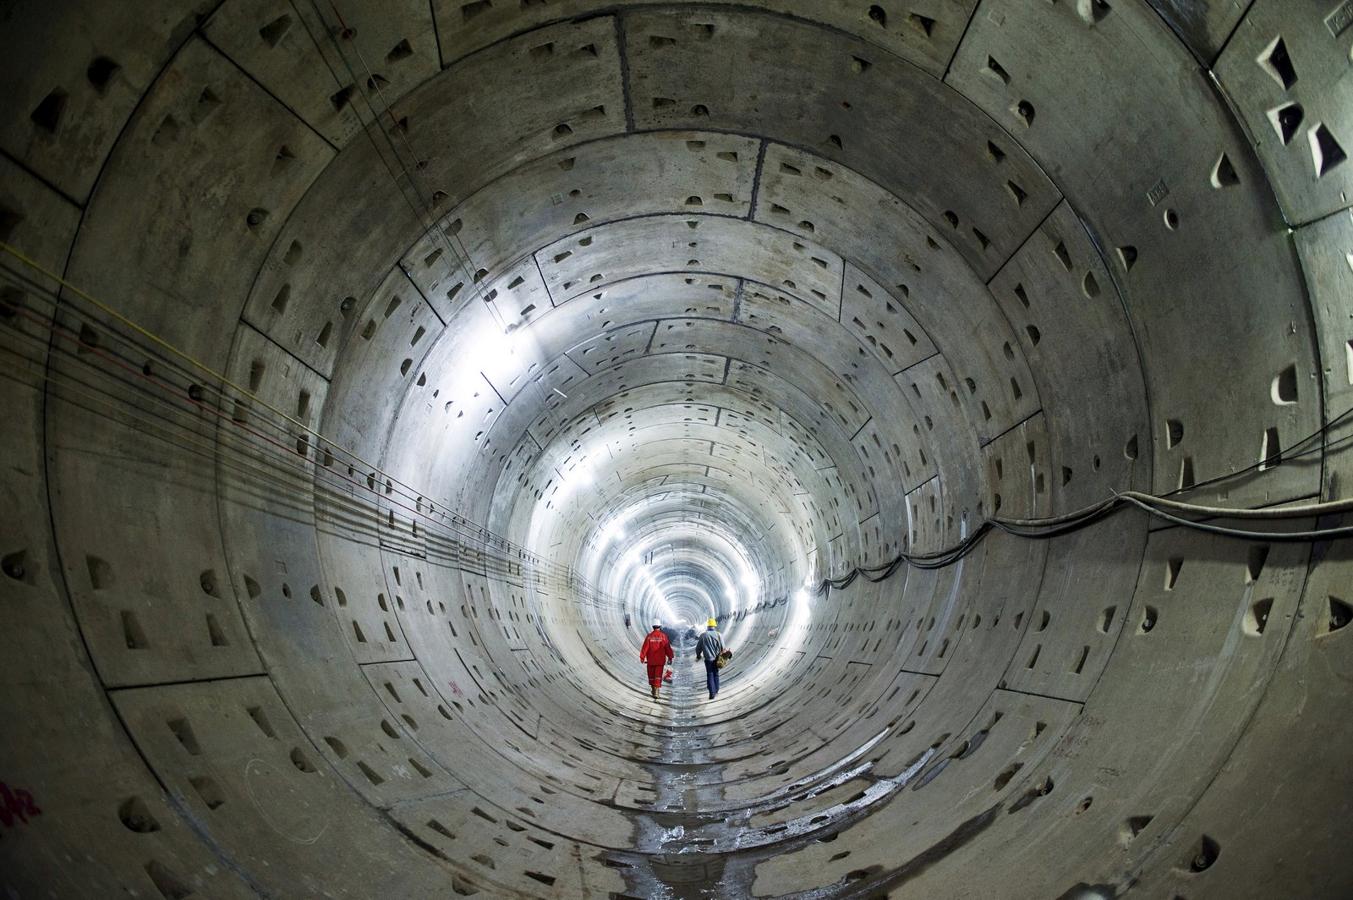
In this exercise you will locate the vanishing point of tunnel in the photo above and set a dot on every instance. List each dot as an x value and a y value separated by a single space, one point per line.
378 373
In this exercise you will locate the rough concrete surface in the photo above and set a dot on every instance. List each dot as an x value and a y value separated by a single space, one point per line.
375 374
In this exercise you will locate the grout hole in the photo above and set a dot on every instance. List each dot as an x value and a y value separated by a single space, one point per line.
47 114
1276 62
1224 174
1340 614
274 31
132 634
469 10
1133 826
1173 566
996 70
100 73
170 886
1092 11
1008 773
1186 476
214 632
15 565
207 103
184 732
1271 451
301 761
261 720
1204 854
1283 391
1286 120
137 817
100 573
1254 566
1256 619
923 24
1326 152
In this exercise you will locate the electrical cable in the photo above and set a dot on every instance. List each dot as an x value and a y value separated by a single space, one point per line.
142 377
1031 528
1045 528
1027 528
1276 512
426 204
1318 534
197 392
281 476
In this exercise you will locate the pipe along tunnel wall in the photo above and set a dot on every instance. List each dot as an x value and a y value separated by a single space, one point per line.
375 373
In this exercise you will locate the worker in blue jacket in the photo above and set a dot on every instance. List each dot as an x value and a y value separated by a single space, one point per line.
709 647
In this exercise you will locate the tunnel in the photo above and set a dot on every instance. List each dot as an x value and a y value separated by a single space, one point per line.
379 375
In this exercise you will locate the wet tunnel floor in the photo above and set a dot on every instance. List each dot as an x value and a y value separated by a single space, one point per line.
677 841
695 844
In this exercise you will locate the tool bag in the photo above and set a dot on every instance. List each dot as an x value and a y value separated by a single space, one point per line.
723 658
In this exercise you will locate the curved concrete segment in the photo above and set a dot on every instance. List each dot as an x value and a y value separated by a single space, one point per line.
376 374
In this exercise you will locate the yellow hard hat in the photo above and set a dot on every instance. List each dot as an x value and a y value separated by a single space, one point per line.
711 623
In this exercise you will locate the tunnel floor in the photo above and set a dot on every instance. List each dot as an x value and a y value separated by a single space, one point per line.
692 842
696 843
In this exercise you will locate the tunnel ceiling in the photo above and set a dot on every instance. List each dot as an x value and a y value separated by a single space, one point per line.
380 373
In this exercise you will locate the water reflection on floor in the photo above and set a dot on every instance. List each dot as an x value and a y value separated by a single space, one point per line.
693 843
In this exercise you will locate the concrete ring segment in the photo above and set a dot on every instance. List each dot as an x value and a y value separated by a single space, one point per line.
379 374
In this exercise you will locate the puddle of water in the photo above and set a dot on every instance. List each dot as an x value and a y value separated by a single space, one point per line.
693 845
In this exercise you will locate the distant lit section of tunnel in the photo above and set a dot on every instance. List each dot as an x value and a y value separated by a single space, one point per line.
377 374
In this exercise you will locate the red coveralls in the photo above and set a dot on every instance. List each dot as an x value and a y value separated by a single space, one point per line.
656 652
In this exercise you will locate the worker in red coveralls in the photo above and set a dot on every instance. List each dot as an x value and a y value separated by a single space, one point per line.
655 653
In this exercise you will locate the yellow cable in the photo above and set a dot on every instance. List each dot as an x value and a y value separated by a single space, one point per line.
150 335
203 367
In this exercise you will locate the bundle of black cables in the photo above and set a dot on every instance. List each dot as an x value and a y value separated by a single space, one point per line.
1188 515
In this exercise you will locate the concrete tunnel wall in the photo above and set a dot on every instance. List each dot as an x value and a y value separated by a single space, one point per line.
509 298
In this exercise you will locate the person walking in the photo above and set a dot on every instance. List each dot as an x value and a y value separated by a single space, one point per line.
709 647
655 653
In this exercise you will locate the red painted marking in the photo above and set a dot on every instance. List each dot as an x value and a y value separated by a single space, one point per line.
15 804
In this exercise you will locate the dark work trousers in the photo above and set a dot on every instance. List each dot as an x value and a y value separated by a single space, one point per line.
712 678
